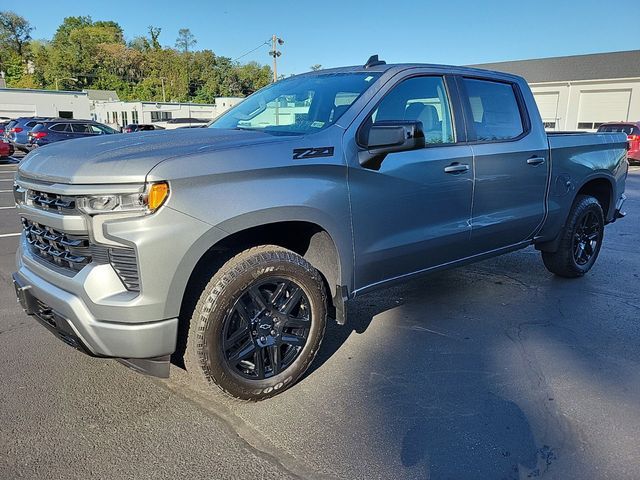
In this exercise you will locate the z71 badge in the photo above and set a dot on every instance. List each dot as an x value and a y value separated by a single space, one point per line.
304 153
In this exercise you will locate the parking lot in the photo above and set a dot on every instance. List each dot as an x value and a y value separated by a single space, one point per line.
493 371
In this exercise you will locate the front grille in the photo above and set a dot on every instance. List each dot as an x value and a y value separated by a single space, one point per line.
51 202
68 252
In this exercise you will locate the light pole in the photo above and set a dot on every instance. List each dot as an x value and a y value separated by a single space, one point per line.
64 78
164 97
275 41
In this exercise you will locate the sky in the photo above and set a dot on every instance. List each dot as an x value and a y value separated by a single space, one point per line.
336 33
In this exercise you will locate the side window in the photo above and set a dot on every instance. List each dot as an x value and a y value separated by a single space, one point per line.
421 99
59 127
95 129
495 110
79 128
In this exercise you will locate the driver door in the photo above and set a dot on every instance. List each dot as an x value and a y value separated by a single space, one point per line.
414 213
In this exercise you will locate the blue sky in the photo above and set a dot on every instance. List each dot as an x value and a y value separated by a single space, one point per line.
334 33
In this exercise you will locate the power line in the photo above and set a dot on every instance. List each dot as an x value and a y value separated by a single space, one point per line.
251 51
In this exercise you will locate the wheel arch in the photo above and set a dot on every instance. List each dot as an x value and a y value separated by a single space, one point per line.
601 187
307 238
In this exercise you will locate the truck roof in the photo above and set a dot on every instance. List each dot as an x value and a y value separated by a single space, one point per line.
398 67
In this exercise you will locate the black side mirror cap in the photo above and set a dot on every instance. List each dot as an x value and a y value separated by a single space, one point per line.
383 138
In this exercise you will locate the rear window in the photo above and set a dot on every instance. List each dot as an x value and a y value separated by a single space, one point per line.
38 127
30 124
628 129
59 127
495 110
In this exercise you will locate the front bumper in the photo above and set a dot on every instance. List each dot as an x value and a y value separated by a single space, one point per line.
67 316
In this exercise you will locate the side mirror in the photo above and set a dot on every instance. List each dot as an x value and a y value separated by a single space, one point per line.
383 138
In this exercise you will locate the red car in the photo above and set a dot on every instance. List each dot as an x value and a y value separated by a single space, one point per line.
633 134
6 149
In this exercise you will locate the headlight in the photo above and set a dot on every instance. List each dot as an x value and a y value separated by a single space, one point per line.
154 195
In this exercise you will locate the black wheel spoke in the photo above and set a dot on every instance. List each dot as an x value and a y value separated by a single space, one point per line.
293 340
292 301
236 336
242 312
259 363
257 298
295 322
282 287
274 359
243 352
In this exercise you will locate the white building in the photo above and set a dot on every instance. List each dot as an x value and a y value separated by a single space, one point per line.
583 91
118 114
24 102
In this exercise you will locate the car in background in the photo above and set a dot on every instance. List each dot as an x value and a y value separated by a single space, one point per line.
6 149
632 129
17 131
141 127
51 131
3 126
185 122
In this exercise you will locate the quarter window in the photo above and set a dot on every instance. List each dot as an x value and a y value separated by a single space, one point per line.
495 111
60 127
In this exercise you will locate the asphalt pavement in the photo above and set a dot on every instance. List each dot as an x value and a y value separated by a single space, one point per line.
498 370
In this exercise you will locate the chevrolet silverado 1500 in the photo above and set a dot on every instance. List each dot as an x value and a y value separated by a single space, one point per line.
230 246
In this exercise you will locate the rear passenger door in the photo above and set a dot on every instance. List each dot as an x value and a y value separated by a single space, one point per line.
510 159
80 130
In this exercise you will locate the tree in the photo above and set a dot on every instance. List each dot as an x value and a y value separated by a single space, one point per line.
316 67
185 40
15 33
154 34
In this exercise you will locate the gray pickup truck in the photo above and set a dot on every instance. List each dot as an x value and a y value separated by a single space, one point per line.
228 247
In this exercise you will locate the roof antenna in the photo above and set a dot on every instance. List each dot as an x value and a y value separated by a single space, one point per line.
374 62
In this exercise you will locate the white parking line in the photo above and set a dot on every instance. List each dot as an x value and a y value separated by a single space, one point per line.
6 191
6 208
4 235
6 179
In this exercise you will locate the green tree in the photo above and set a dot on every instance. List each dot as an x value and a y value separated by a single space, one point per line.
185 40
15 33
316 67
154 34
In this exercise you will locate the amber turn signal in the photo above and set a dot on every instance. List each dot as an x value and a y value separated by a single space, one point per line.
158 193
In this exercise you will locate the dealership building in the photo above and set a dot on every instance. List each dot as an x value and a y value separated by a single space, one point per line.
583 91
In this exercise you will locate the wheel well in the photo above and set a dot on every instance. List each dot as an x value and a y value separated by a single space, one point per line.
306 239
601 189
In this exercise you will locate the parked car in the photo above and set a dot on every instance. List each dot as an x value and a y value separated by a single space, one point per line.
6 149
3 126
50 131
140 127
17 131
239 241
185 122
632 130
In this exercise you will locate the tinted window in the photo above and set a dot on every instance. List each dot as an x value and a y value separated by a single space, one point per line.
422 99
495 110
79 128
628 129
30 124
59 127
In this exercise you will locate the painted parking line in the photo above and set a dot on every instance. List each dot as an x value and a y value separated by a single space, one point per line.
7 208
4 235
6 191
6 179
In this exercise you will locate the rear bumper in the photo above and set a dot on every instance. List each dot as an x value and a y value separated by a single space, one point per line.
67 317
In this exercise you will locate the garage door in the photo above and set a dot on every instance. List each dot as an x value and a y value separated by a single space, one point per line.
548 105
598 107
15 111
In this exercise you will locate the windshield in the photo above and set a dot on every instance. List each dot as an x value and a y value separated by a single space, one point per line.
298 105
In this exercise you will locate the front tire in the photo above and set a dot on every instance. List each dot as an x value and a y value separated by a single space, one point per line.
580 242
258 324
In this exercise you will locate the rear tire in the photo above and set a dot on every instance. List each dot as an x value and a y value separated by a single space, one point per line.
258 324
581 240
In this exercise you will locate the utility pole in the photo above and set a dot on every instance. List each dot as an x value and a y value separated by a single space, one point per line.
275 41
164 97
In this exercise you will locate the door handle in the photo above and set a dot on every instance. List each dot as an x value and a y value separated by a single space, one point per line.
456 168
536 161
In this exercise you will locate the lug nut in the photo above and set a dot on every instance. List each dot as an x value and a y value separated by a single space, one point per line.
263 339
273 333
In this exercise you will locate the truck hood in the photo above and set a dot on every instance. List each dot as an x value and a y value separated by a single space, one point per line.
127 158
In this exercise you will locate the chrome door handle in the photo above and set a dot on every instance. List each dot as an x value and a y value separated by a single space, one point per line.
536 161
456 168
